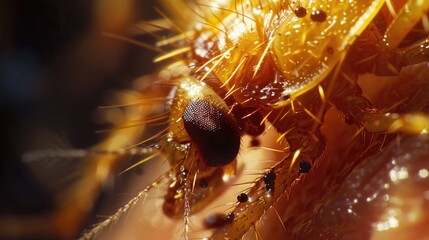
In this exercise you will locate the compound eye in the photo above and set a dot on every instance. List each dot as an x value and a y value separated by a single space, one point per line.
214 131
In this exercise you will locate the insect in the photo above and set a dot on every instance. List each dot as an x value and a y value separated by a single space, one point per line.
248 66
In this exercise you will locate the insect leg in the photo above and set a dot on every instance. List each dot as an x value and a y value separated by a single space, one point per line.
390 55
410 14
113 218
390 63
416 53
249 212
304 144
413 101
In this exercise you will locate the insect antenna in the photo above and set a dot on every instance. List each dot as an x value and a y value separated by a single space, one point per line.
68 154
187 208
124 209
139 103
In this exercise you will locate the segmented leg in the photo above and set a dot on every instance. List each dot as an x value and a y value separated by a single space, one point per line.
404 115
411 13
302 132
391 61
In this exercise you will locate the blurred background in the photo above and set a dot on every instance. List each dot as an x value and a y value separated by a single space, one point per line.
55 70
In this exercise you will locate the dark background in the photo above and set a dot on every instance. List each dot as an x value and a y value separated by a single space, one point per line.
55 68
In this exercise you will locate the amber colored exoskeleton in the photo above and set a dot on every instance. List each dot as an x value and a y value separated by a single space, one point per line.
242 67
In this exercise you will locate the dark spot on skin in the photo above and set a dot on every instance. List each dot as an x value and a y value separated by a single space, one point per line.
300 12
318 16
304 167
254 142
242 197
203 183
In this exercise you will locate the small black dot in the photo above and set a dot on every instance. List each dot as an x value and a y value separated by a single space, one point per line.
242 197
230 217
318 16
304 167
204 183
254 142
330 50
300 12
269 177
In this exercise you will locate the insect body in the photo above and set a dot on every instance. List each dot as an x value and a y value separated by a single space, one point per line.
272 62
299 52
280 64
291 68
